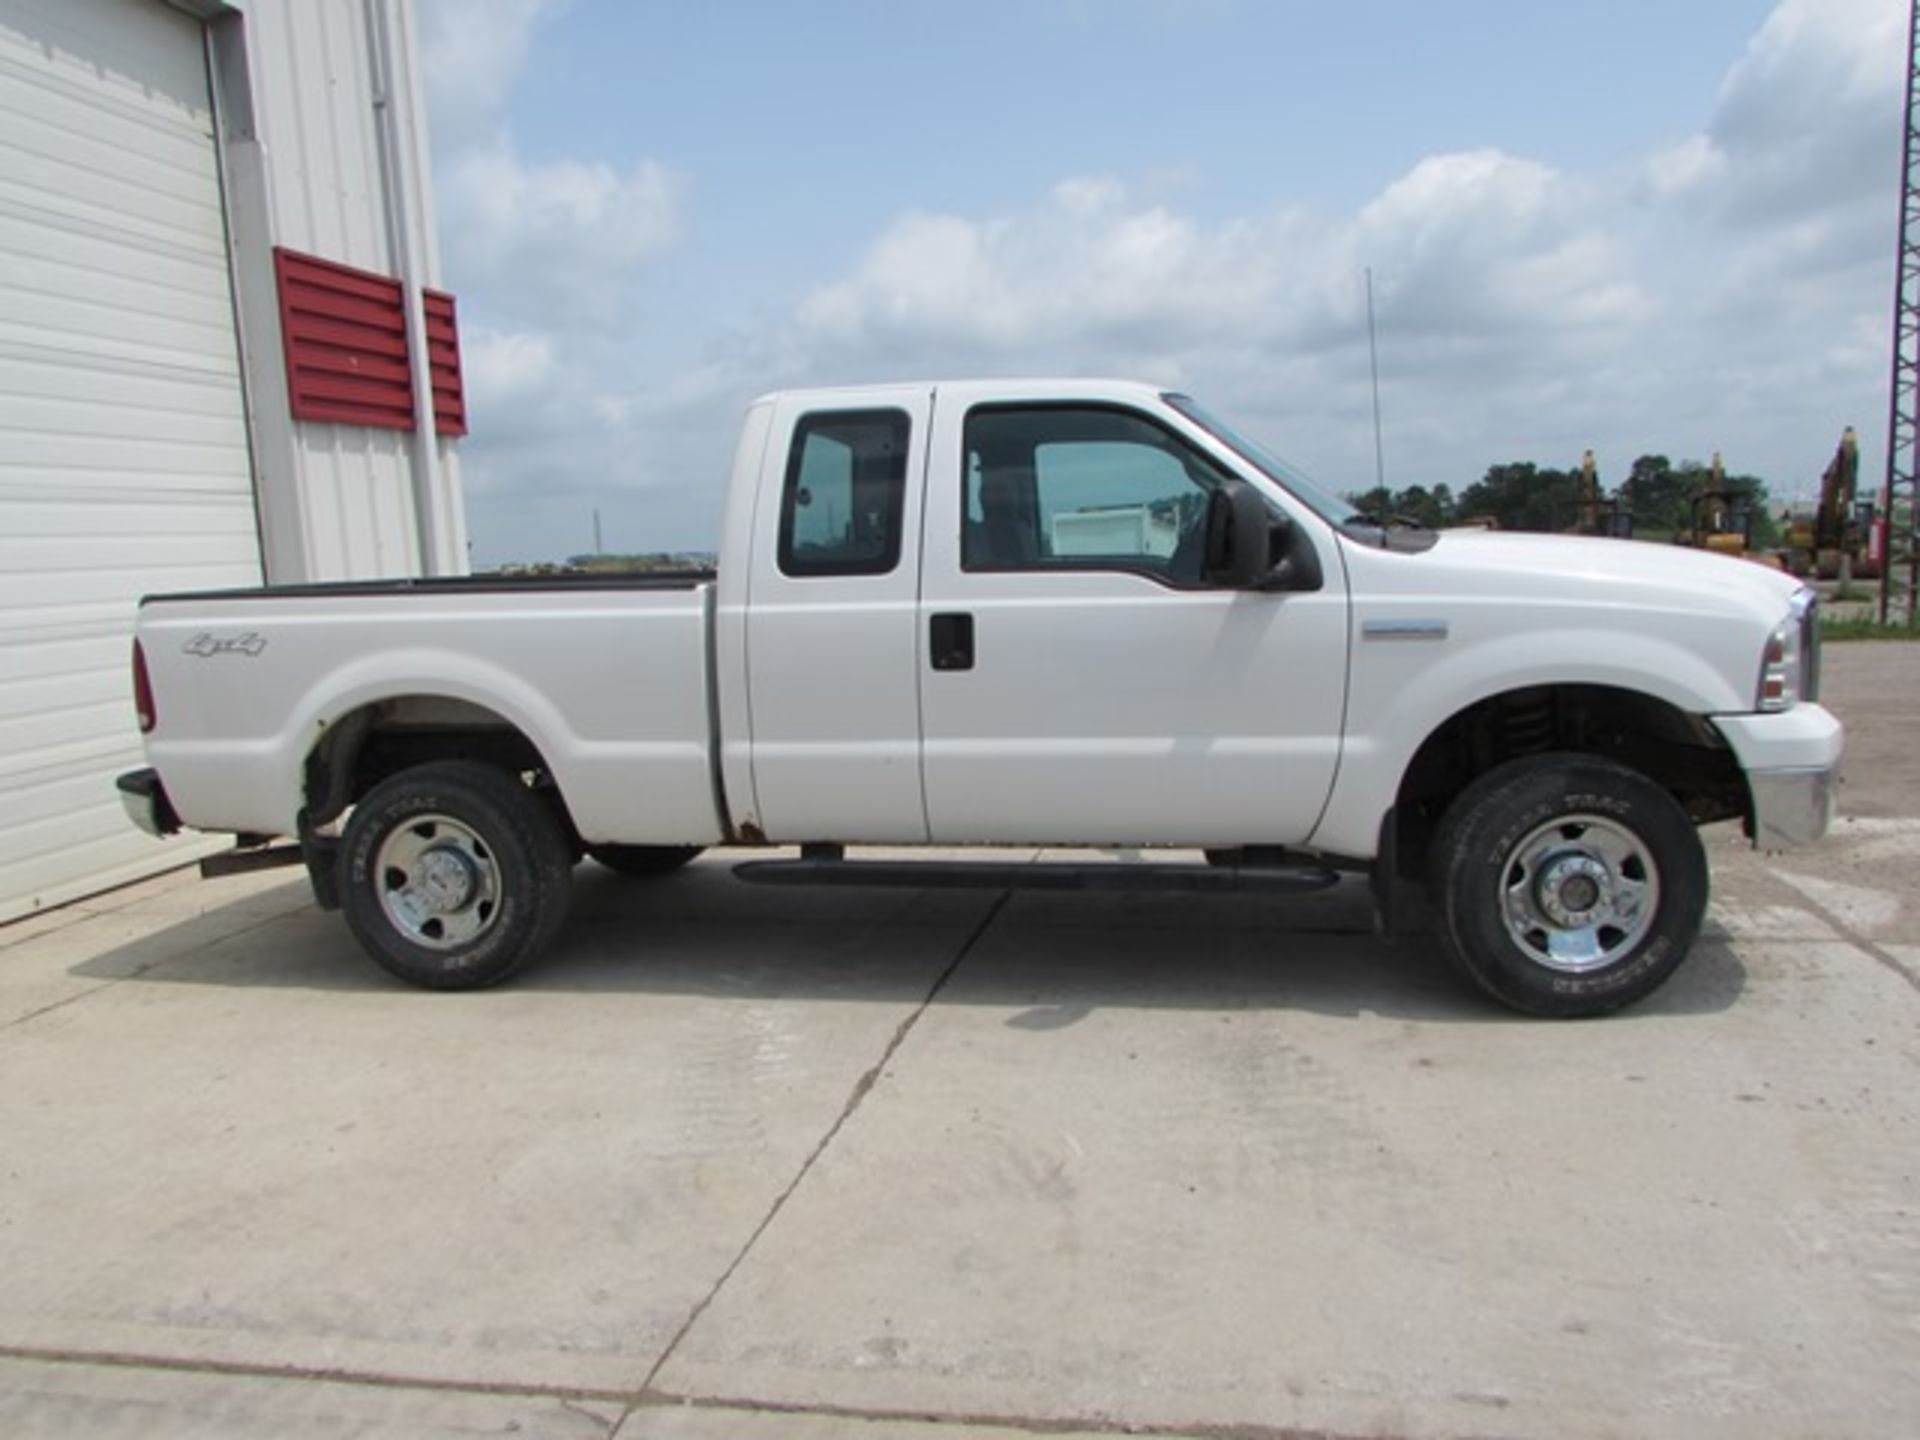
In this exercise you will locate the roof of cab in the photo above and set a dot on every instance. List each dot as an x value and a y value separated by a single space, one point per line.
1001 388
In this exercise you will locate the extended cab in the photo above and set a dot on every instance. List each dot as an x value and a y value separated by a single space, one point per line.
1029 613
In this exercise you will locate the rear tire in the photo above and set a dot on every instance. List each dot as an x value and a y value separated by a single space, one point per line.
453 875
1568 885
641 861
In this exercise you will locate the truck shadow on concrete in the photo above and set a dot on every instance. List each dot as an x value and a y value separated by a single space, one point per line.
1050 960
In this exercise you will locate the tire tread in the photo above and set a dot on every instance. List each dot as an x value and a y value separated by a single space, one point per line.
534 842
1482 822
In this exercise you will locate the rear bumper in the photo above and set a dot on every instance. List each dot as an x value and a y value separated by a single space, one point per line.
1792 761
145 799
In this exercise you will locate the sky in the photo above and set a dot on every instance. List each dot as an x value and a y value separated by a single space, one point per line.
1643 227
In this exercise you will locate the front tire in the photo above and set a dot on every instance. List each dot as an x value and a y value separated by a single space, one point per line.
1568 885
454 874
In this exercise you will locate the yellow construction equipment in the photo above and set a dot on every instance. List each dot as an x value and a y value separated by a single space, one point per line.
1598 514
1718 518
1832 543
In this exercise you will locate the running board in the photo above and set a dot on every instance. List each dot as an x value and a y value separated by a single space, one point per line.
1062 875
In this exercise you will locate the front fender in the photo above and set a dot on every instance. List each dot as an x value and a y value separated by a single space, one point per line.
1405 689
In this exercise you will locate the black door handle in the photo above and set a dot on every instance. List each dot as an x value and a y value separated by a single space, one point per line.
950 642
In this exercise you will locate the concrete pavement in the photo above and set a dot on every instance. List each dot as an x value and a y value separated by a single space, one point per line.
897 1165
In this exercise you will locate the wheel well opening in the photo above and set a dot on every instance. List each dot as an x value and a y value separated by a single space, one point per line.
378 740
1680 752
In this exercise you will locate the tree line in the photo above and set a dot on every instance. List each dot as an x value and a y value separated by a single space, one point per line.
1520 495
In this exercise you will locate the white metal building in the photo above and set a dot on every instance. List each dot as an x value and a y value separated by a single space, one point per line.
216 243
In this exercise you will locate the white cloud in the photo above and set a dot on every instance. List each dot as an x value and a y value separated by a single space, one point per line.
548 257
1087 267
471 53
1692 165
561 241
1803 119
503 367
1480 252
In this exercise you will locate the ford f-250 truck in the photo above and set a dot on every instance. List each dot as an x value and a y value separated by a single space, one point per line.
1067 614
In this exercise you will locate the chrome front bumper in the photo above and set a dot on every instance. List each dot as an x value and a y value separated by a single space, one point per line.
1792 760
1792 807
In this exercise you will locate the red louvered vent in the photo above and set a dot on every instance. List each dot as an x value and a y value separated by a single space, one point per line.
345 332
346 339
443 361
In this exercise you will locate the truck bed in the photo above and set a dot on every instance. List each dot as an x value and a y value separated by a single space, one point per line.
608 678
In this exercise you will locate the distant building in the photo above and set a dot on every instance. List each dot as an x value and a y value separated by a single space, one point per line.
217 333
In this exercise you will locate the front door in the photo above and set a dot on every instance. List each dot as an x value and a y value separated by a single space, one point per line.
1081 683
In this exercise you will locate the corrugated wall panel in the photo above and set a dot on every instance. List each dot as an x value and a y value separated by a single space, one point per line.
123 446
312 87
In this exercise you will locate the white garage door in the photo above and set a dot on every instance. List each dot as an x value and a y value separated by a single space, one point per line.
123 452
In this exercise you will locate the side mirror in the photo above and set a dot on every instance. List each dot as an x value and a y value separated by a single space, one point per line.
1239 548
1249 547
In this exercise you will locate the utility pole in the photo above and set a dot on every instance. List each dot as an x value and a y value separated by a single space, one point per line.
1900 567
599 545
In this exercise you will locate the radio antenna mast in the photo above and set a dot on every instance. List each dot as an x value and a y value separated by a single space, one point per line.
1373 359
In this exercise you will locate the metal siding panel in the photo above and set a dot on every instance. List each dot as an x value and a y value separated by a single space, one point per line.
314 104
123 455
395 526
288 96
318 94
353 148
364 517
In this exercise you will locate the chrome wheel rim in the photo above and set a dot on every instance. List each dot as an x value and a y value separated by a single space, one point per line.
1579 893
438 882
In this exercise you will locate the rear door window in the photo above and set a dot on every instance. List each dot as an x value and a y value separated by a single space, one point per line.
844 493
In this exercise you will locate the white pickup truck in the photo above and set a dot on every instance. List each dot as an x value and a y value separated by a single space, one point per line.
1070 614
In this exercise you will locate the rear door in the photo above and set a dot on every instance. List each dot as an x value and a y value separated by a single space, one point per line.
832 634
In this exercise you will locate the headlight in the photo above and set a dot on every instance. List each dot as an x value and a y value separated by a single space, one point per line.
1790 665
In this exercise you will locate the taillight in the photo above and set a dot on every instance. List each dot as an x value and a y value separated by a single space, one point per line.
143 691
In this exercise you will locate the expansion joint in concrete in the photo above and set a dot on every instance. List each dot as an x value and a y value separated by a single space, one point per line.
975 1425
309 1374
1853 937
861 1088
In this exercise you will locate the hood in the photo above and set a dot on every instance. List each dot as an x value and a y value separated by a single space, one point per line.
1633 571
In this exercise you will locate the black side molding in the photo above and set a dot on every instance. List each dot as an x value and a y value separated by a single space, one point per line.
1065 875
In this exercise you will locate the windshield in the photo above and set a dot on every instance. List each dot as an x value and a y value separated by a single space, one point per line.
1309 492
